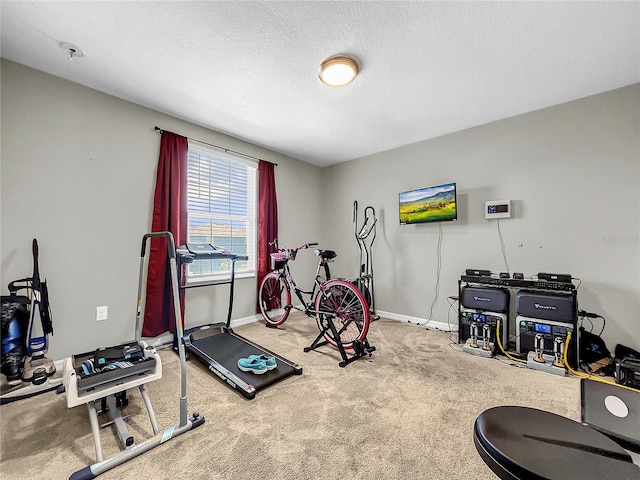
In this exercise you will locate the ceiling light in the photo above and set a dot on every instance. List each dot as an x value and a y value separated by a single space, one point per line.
72 50
338 70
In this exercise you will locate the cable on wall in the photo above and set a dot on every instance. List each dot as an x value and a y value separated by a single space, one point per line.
504 252
452 301
226 150
588 316
438 267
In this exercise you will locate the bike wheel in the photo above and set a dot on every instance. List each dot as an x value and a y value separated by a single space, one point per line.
275 299
343 303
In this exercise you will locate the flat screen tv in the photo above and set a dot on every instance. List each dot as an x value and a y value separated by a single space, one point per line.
430 204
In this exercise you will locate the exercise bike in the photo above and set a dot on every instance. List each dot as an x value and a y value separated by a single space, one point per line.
340 309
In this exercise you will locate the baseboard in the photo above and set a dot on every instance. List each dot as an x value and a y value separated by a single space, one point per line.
59 364
160 340
167 338
418 321
238 322
390 315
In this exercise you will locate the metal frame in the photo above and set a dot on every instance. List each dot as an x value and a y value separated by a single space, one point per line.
134 449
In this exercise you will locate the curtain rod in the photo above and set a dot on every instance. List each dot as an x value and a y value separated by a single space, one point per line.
161 130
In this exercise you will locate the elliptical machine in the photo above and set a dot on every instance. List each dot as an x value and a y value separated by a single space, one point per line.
365 236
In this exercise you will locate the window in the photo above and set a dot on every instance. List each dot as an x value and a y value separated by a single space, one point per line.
221 202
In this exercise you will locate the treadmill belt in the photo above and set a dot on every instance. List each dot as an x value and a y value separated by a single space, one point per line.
227 348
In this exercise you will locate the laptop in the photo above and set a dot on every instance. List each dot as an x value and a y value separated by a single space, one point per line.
612 410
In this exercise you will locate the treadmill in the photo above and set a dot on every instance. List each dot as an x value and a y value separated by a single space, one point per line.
216 345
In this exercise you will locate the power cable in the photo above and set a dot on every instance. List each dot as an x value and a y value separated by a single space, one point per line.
502 348
438 267
504 252
583 314
585 375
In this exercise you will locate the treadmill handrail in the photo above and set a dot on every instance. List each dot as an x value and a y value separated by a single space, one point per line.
185 256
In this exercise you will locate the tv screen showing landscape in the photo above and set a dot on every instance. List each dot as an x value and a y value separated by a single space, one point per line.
430 204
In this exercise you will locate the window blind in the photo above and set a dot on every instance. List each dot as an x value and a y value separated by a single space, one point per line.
221 201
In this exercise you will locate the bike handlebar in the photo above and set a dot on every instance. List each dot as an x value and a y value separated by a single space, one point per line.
301 247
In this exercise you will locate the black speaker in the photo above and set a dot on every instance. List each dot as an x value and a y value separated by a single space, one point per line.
546 306
478 272
487 299
555 277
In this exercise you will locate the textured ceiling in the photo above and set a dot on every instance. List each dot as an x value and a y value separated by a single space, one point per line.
249 69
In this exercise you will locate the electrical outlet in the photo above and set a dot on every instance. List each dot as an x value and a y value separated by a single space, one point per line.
102 313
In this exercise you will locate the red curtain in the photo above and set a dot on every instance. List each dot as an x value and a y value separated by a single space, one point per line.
169 214
267 218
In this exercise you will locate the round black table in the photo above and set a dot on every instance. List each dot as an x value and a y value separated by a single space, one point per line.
527 443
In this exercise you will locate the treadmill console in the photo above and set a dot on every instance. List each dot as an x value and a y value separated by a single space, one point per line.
205 249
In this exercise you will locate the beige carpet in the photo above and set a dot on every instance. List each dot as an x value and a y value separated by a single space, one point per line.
405 413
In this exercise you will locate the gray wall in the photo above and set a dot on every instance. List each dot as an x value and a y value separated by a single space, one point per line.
78 172
78 169
573 174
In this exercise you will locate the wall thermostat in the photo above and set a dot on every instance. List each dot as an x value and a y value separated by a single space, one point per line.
497 209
